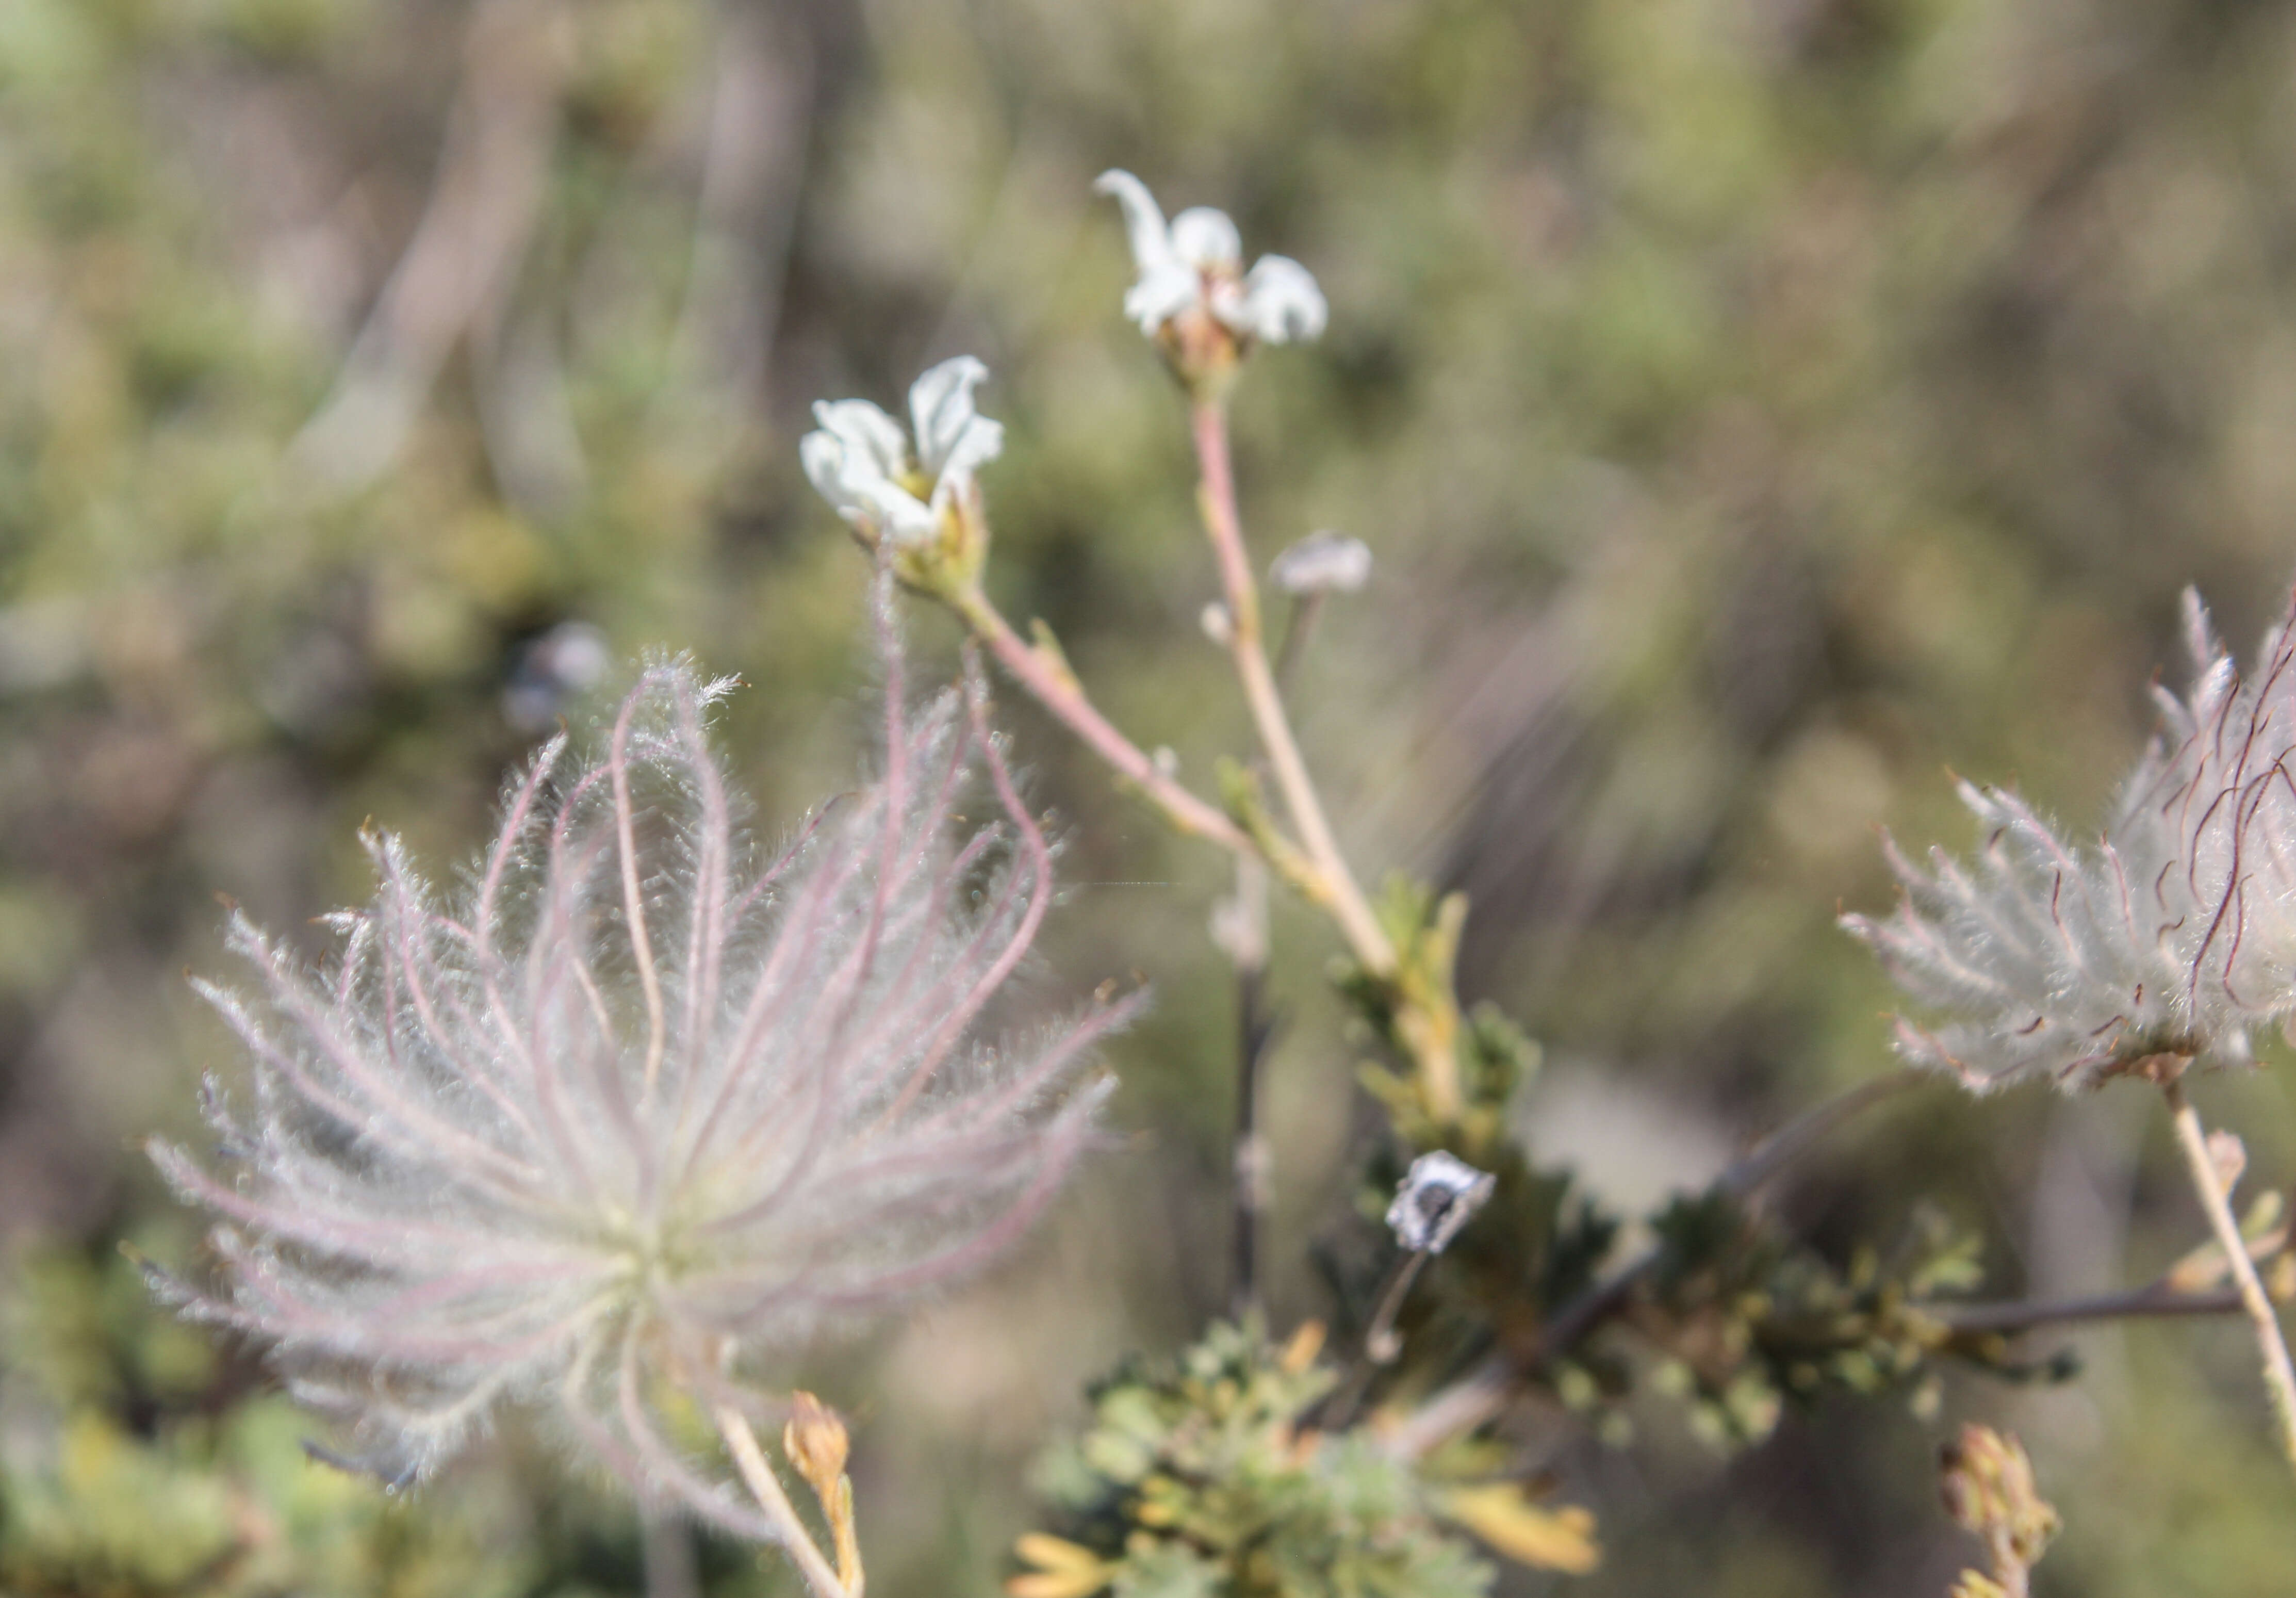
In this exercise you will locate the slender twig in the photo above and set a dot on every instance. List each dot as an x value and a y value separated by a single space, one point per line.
666 1548
1243 934
2024 1315
765 1488
2279 1375
1753 1169
1255 1030
1478 1396
1349 908
1382 1341
1296 634
1050 682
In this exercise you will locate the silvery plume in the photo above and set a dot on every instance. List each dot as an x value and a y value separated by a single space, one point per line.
2164 942
642 1105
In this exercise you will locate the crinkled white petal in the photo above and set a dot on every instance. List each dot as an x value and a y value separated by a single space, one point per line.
849 475
823 455
903 515
1143 220
982 442
1281 302
869 435
844 474
1161 295
1207 239
947 423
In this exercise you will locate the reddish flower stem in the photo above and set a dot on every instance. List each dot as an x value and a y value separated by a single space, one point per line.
1048 680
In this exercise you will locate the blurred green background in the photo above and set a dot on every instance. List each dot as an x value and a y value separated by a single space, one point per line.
1755 406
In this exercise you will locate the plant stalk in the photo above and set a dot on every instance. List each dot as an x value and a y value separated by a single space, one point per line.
2279 1374
1052 686
765 1488
1349 908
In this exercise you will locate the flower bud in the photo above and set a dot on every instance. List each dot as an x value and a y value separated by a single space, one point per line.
816 1442
1322 562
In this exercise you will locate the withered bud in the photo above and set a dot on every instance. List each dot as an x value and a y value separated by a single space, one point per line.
2229 1156
1987 1480
816 1442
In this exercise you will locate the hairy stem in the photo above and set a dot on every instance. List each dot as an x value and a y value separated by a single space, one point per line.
1049 681
2279 1374
765 1488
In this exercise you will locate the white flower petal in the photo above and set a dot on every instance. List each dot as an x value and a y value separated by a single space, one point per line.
982 442
1435 1199
848 472
1203 237
902 514
866 432
1161 295
942 403
1281 301
824 456
1143 220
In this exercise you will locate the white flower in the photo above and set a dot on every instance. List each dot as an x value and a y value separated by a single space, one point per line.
865 465
2172 938
1198 261
1435 1199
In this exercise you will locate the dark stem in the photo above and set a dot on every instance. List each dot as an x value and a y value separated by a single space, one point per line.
1248 1173
1381 1342
1256 1028
1298 628
2024 1315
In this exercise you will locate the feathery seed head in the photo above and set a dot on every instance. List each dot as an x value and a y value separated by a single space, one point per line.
2165 943
640 1103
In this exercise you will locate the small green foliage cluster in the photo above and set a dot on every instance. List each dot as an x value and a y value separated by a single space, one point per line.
1203 1475
1741 1317
1538 1242
1744 1319
1986 1480
137 1463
